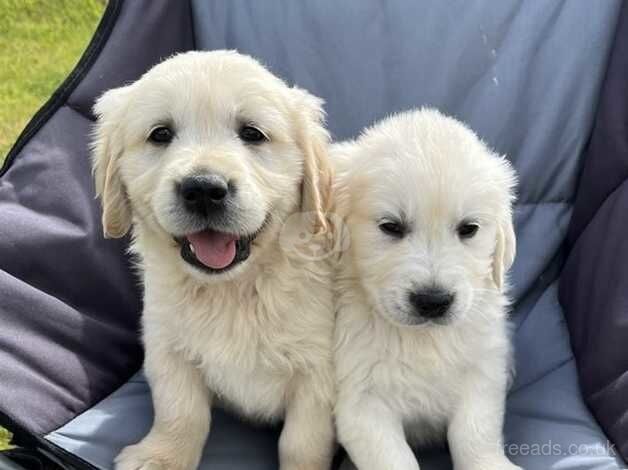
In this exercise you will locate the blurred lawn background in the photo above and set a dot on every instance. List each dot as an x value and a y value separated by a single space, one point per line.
40 42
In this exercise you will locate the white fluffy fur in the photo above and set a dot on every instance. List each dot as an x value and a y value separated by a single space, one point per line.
258 338
398 384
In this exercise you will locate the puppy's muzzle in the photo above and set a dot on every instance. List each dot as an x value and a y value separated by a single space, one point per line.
205 195
431 303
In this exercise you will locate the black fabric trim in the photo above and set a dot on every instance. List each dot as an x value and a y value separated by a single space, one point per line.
61 95
10 461
39 445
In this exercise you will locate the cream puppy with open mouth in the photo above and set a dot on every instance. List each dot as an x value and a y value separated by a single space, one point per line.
422 344
207 157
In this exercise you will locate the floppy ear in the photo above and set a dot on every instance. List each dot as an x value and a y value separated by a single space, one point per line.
106 151
313 139
506 242
505 249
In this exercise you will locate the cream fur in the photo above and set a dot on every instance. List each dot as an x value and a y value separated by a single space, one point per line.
398 384
258 338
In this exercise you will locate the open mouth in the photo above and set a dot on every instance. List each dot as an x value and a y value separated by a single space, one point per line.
213 251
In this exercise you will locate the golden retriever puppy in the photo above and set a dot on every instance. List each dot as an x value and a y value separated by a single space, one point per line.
422 343
206 157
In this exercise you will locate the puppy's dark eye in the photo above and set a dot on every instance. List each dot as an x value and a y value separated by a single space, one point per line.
161 135
251 135
467 230
394 229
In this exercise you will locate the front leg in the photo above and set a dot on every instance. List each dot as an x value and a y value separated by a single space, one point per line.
373 435
182 415
475 431
307 439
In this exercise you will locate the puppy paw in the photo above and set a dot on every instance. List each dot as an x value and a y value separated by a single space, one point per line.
146 457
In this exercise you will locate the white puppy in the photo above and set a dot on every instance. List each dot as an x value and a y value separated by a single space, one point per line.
422 344
206 157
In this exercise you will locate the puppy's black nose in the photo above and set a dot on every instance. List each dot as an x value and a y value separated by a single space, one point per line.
204 193
432 302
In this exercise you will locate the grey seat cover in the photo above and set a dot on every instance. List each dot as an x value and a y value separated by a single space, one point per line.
525 76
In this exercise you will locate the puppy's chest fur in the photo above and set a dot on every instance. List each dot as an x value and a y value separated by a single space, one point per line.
418 374
252 340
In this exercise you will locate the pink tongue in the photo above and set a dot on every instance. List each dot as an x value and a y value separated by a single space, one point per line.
214 249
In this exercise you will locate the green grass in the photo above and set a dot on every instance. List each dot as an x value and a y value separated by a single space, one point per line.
40 42
5 439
